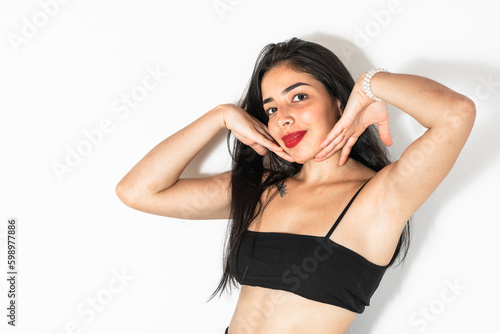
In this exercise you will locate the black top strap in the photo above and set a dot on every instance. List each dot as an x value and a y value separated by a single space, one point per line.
345 210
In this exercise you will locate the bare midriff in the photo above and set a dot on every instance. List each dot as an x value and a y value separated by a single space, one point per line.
262 311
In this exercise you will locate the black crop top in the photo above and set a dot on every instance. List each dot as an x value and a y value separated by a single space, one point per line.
313 267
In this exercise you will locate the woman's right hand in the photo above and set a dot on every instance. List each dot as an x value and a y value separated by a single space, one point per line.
250 131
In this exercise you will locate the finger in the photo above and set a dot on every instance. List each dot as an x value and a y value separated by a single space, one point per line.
264 132
267 141
252 143
346 150
285 156
339 141
261 150
336 131
385 133
324 152
330 150
271 145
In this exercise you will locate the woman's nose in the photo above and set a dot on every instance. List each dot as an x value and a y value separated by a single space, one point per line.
284 122
284 118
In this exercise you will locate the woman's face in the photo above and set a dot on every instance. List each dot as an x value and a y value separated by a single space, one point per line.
301 112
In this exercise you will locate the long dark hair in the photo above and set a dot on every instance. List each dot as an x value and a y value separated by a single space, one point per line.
248 168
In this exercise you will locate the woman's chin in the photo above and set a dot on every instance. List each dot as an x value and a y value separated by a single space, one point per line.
301 158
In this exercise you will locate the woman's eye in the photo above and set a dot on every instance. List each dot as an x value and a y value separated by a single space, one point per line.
271 111
299 97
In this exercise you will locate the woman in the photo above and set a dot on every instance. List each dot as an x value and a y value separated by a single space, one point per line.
307 154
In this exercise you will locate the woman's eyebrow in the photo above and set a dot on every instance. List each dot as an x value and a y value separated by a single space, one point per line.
285 91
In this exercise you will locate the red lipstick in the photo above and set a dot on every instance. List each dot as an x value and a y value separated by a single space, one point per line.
293 138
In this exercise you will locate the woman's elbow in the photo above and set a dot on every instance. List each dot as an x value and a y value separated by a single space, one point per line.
125 194
461 115
467 109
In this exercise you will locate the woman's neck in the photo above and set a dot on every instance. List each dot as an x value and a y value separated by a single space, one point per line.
328 171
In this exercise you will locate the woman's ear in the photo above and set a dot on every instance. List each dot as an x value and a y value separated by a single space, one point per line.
339 107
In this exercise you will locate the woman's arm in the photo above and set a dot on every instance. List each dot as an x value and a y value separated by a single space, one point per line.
448 116
399 189
153 184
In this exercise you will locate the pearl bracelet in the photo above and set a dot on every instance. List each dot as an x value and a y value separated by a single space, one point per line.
367 82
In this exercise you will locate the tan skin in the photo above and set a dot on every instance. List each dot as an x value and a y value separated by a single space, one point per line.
327 181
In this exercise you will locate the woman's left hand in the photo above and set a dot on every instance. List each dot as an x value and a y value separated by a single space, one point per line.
359 113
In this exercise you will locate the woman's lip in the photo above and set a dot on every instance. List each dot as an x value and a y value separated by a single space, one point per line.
293 139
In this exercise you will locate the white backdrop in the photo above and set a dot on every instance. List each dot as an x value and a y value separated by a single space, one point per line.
89 87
